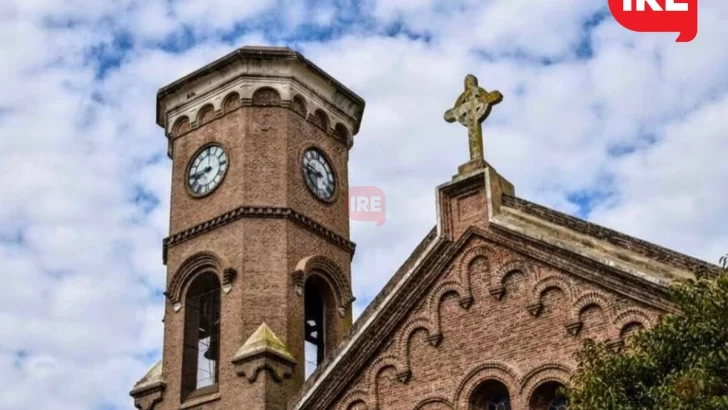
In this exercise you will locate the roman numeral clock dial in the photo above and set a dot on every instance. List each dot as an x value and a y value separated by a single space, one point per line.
319 175
206 170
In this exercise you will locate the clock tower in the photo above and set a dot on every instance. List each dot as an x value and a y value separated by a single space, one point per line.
258 257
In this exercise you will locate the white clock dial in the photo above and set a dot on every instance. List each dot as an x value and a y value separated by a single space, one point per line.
206 170
319 174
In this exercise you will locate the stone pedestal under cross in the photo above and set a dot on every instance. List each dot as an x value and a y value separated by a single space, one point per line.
471 109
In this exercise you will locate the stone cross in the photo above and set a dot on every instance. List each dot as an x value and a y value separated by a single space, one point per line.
471 109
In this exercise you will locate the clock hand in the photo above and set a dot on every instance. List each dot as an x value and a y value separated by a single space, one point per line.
314 170
198 174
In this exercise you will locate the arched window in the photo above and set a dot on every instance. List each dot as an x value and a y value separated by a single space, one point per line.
490 395
318 310
200 362
559 403
549 396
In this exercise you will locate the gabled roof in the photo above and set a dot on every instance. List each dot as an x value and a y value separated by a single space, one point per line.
619 261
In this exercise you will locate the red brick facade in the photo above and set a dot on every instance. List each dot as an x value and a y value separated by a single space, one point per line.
480 313
491 314
490 307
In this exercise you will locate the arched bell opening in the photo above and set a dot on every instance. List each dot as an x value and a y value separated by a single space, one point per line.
319 308
201 350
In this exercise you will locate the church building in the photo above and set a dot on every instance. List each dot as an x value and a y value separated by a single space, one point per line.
485 314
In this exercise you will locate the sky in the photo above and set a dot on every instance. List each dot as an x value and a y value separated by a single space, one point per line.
625 129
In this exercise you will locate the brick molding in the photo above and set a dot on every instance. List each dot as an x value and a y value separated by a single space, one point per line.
257 212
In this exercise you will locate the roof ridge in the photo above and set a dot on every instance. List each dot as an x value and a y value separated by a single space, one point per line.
640 246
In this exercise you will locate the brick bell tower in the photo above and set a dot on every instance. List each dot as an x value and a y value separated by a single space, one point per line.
258 257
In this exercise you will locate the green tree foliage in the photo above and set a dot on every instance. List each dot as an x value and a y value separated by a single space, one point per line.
682 363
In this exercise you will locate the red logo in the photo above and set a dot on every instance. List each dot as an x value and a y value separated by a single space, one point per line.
664 16
366 203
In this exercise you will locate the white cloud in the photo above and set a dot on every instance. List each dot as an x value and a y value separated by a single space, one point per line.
83 260
674 193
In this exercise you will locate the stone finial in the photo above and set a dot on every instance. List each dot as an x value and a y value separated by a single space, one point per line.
149 391
264 351
471 109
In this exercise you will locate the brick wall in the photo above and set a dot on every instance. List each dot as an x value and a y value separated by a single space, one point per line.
520 329
264 144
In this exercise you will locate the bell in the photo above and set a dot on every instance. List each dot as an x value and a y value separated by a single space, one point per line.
213 351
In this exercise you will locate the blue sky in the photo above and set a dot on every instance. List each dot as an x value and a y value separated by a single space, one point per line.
625 129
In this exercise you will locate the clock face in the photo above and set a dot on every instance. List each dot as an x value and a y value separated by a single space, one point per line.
206 170
319 174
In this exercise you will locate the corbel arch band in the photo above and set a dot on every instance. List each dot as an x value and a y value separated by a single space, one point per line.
356 399
514 264
551 282
591 298
631 316
467 260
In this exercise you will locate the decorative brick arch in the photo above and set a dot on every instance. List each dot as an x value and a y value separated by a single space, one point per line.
231 102
434 403
446 288
586 299
405 337
353 399
377 368
492 370
466 261
631 316
266 96
634 314
465 300
590 298
542 285
411 327
205 114
553 281
496 288
195 264
547 372
181 126
327 269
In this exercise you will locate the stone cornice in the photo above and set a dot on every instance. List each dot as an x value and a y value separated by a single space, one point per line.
258 53
248 102
257 212
635 248
250 68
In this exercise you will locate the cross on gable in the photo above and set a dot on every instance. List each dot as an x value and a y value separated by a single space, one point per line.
471 109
